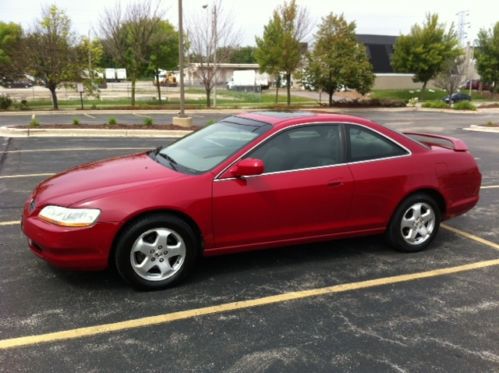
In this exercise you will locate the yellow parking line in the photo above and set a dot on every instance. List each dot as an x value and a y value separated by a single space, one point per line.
74 149
12 222
233 306
26 175
470 236
489 187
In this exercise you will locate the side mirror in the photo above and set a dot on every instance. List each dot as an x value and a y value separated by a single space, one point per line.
247 167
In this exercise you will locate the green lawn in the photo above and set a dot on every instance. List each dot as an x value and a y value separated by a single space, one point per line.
428 95
225 99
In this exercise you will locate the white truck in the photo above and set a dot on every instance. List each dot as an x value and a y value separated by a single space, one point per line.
248 81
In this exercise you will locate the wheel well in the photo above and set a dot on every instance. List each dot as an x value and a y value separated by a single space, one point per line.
184 217
439 199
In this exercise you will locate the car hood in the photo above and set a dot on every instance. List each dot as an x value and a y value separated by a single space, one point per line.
94 179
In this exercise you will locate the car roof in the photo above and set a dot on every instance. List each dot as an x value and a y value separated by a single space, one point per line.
285 118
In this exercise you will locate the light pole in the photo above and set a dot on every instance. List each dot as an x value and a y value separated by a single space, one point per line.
215 42
182 119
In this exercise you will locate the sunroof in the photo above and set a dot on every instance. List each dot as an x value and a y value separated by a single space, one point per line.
284 114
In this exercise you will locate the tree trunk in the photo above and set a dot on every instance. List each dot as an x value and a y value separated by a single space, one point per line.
133 91
208 97
424 86
158 86
277 92
330 94
288 88
55 103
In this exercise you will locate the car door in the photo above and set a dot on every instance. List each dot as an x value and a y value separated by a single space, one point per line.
305 190
379 168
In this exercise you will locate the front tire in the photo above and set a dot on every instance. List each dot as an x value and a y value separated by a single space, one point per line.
414 224
156 251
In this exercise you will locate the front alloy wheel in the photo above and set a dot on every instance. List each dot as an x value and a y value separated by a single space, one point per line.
158 254
156 251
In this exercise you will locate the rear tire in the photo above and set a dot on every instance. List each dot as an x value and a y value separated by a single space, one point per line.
414 224
156 251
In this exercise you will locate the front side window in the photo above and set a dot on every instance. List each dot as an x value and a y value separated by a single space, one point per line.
207 148
302 147
366 144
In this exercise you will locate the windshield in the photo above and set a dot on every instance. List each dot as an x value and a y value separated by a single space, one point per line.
207 148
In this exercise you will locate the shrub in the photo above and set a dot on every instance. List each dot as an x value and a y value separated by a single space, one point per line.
34 122
464 105
112 121
5 102
148 121
24 105
412 101
76 122
435 105
372 102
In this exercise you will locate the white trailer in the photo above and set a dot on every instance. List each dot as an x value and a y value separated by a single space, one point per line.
115 75
248 81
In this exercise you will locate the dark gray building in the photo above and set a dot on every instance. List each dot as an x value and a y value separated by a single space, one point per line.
380 50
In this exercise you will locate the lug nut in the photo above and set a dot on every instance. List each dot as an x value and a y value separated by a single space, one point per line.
161 260
160 247
153 259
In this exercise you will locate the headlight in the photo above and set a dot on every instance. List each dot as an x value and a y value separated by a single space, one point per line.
69 217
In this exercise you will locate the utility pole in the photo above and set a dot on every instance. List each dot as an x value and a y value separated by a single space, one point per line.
215 54
182 119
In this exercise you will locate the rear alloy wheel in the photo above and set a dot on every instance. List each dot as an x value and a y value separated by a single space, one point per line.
414 224
156 251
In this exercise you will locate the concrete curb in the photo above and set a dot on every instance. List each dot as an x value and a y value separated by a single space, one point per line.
237 111
476 128
69 132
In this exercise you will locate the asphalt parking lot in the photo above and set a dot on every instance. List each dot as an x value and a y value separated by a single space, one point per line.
348 305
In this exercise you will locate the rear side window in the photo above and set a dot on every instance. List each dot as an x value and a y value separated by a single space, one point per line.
366 144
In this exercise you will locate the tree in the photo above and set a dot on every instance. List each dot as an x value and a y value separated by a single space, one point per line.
268 51
453 74
164 51
10 38
127 37
50 51
237 54
281 47
487 56
92 50
425 49
338 59
209 36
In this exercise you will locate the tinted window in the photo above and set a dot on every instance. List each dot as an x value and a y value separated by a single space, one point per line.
303 147
366 144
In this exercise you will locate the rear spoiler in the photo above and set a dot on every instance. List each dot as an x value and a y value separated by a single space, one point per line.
436 140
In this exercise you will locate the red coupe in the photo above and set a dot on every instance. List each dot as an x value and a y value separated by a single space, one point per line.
247 182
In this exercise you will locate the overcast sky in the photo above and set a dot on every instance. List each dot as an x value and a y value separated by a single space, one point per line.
384 17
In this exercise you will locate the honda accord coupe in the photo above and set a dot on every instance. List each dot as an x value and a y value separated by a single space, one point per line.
250 181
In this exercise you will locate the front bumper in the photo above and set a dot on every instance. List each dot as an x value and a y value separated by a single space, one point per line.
72 248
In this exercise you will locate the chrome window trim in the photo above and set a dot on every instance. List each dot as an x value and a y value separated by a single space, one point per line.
408 154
